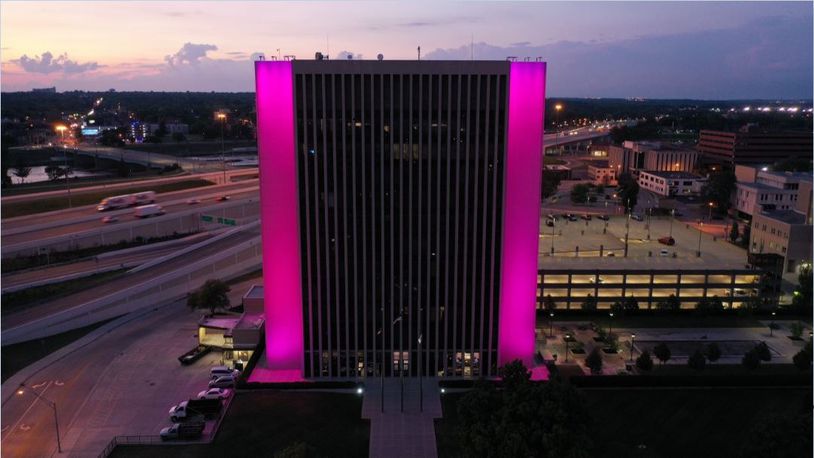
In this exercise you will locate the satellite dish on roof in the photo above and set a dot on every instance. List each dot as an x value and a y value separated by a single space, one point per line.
380 57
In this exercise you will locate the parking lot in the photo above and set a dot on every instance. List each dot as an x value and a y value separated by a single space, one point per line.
572 240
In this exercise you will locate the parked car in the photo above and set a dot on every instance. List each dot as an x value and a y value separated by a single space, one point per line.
664 252
604 217
225 381
636 216
610 254
215 393
220 371
549 223
195 410
586 217
109 219
182 431
669 241
572 217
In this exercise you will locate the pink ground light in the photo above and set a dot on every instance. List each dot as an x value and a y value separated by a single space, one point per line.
282 286
521 220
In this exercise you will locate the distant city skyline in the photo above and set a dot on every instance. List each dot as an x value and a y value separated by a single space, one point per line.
727 50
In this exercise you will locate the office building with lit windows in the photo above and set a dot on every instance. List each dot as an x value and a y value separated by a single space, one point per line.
400 212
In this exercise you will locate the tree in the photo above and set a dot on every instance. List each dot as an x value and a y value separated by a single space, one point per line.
590 303
626 304
763 351
524 419
697 360
594 361
579 194
713 352
549 303
802 360
644 361
212 295
54 172
718 190
550 184
671 303
751 360
629 191
514 374
662 352
734 233
22 172
802 298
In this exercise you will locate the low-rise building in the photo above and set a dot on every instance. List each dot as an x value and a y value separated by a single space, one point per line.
787 233
760 190
600 172
633 157
236 334
670 184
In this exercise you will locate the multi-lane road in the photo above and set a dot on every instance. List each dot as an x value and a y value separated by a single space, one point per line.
87 218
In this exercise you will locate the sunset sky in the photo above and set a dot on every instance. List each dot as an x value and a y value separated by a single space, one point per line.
658 50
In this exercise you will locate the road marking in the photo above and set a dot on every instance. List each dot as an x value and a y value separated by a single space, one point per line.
33 401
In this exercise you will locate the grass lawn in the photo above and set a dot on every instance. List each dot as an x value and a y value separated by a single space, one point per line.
58 203
668 422
261 423
20 300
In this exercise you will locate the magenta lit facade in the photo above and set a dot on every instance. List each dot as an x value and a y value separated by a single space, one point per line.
521 217
278 212
399 199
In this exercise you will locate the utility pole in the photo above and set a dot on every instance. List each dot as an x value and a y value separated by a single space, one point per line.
51 404
627 228
698 252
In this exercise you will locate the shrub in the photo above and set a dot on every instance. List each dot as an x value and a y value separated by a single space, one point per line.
763 351
802 360
713 352
662 352
669 304
751 360
549 303
697 361
796 329
644 361
594 361
589 304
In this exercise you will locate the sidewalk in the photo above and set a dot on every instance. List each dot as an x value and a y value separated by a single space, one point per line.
395 434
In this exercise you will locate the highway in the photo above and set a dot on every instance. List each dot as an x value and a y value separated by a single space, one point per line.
14 280
87 218
126 281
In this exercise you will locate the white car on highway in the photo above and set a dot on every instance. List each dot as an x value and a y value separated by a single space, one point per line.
214 393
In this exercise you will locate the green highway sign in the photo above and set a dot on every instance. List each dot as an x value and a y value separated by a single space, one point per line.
219 220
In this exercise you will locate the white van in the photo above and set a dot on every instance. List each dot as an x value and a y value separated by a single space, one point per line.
145 211
144 198
112 203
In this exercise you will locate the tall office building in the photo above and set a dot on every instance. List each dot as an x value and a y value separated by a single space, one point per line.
752 146
400 212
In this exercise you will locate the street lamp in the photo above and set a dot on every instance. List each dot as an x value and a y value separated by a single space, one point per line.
771 326
627 226
709 217
632 342
51 404
700 226
222 118
567 338
557 109
61 129
551 325
672 216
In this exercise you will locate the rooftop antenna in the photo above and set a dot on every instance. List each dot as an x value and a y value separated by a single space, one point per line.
419 53
278 53
328 46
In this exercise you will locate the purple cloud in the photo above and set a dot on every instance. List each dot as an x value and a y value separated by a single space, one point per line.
48 64
189 54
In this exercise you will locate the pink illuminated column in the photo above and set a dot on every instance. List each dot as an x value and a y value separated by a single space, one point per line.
521 212
282 288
